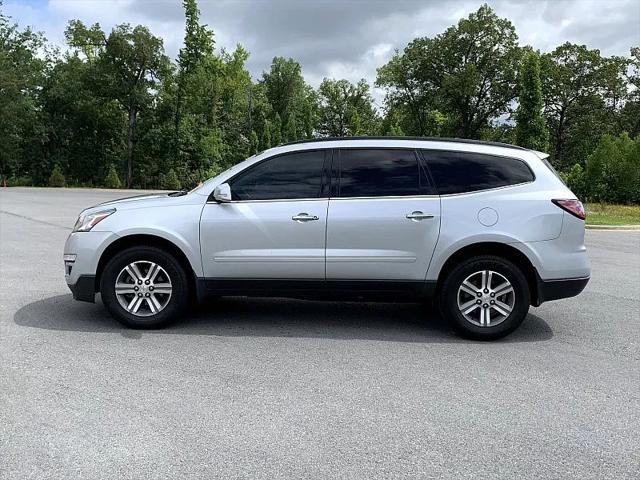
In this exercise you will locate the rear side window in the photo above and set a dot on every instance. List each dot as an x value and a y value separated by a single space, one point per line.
460 172
378 173
290 176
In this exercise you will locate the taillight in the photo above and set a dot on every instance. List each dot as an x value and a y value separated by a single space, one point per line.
574 207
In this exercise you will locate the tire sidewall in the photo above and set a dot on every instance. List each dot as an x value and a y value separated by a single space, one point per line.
449 300
179 293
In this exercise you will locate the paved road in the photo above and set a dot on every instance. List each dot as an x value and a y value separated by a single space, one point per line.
266 389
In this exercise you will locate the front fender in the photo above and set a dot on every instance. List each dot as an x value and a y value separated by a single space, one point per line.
179 224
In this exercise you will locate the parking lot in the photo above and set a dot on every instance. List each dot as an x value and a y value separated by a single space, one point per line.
253 388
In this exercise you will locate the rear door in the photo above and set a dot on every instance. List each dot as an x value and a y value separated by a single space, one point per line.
384 216
275 225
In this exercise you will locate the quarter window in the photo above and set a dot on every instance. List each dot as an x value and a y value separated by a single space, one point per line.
290 176
459 172
378 173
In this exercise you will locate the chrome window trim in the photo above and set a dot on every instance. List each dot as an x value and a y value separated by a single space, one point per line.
486 189
390 197
274 200
387 197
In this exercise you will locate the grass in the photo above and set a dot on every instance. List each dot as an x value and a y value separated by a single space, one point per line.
605 214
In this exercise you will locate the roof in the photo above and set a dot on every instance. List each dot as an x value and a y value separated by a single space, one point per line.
426 139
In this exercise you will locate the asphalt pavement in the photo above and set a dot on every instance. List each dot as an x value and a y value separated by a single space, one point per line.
269 389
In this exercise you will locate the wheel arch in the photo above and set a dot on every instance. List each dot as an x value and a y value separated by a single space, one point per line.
147 240
503 250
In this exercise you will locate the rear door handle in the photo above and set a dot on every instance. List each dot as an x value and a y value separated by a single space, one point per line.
418 215
304 217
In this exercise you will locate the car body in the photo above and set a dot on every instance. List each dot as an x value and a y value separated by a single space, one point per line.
378 218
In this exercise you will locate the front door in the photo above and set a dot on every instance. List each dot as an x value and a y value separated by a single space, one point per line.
384 217
275 225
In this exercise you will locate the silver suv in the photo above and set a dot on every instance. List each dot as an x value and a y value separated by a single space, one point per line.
484 229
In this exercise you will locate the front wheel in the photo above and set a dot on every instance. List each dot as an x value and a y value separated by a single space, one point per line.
485 297
144 287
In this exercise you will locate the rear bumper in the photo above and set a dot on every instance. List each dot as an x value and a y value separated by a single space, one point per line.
84 289
555 289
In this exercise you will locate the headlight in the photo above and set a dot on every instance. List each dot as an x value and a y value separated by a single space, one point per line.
88 221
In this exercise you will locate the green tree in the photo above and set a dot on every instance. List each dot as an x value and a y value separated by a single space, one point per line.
284 86
630 111
254 142
308 119
276 133
265 140
129 64
287 93
531 131
576 180
345 108
291 133
112 180
22 72
613 170
573 108
171 181
56 179
469 72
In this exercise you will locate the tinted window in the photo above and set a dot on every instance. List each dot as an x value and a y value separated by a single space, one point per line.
458 172
289 176
378 173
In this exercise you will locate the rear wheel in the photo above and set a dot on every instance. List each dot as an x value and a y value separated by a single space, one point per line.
144 287
485 297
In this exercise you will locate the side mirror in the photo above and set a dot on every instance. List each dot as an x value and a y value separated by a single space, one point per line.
222 193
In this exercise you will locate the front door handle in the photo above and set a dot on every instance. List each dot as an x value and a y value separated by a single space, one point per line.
418 215
304 217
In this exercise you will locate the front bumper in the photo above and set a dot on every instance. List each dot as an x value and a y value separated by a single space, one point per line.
84 289
555 289
82 252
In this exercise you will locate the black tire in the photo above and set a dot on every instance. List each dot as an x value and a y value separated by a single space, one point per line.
448 297
177 301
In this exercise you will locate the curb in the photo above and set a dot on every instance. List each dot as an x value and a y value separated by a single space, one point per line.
624 228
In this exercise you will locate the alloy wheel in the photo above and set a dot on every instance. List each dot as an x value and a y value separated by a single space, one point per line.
486 298
143 288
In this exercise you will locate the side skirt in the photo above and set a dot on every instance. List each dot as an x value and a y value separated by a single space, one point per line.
371 290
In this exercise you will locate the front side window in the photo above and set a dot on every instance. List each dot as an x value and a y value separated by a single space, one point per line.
378 173
460 172
293 175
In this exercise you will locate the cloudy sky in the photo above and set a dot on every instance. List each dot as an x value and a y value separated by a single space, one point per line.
342 39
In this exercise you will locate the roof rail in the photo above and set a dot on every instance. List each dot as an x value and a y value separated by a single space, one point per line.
427 139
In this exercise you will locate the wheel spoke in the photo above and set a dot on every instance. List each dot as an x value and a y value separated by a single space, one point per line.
151 305
471 309
466 305
137 305
483 285
154 304
133 302
502 308
162 288
489 278
487 312
153 272
468 288
134 272
503 289
482 312
124 288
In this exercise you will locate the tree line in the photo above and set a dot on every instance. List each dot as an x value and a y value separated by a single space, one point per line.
113 109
